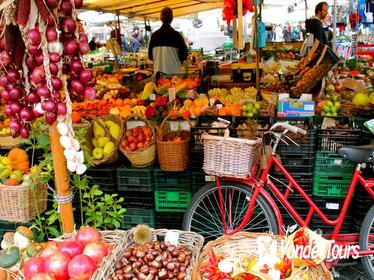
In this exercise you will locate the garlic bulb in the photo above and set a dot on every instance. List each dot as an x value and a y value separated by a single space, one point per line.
70 155
81 168
72 166
63 129
66 142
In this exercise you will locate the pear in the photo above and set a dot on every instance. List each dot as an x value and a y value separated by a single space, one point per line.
108 148
98 130
97 153
115 131
102 141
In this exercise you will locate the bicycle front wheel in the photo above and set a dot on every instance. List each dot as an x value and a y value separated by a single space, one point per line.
367 242
203 215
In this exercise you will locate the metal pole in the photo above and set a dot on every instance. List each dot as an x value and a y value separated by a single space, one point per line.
334 12
306 9
257 49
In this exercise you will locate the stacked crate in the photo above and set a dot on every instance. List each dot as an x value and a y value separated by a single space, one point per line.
136 186
333 173
299 162
172 196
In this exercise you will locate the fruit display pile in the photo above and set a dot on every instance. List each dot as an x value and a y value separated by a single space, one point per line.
137 138
106 135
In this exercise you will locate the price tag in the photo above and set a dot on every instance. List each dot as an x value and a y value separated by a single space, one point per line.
171 94
338 162
209 178
152 97
172 237
211 101
219 106
332 206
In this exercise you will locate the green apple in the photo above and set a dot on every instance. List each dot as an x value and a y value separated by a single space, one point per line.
337 104
257 106
102 141
17 175
108 148
335 114
98 153
330 104
330 88
326 108
333 109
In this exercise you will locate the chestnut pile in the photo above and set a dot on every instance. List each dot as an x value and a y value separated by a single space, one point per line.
155 260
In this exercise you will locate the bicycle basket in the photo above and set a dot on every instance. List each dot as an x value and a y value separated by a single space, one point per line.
229 157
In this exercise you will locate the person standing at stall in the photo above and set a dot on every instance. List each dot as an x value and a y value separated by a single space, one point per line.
167 48
314 24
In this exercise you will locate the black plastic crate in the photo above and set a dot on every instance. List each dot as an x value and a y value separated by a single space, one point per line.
169 220
367 136
263 125
198 180
305 181
134 199
345 134
138 179
204 126
297 159
164 180
105 176
196 160
136 216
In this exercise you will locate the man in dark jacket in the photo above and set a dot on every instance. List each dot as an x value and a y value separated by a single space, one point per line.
314 24
167 48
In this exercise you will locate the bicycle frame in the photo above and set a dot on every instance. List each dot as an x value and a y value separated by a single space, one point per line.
258 188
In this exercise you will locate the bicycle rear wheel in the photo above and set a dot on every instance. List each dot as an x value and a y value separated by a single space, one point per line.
367 241
204 216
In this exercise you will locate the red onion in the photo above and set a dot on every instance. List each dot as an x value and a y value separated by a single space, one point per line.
13 76
56 83
48 105
51 34
78 4
61 109
39 59
3 81
56 96
76 66
71 47
30 62
51 20
15 94
7 111
53 68
77 87
44 91
74 76
66 7
15 125
32 98
66 36
36 113
2 44
5 58
24 132
15 107
92 82
52 3
26 115
83 38
33 49
50 117
85 76
69 25
54 57
90 93
5 94
83 48
37 75
34 37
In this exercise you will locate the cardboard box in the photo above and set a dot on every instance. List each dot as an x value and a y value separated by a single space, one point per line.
296 108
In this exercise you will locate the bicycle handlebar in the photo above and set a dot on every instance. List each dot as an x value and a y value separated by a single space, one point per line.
289 127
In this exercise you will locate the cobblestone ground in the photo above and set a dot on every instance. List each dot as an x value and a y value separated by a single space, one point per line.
352 270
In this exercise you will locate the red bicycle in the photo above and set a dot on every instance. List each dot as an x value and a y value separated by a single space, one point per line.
231 205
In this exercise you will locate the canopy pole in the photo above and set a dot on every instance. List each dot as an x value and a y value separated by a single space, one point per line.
334 12
61 180
257 48
306 9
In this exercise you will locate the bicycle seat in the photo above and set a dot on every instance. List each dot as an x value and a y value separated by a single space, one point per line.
358 153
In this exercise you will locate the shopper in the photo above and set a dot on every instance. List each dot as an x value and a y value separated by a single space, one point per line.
93 44
314 24
167 48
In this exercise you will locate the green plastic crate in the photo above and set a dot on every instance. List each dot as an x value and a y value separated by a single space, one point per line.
172 201
136 216
172 180
331 185
135 179
332 163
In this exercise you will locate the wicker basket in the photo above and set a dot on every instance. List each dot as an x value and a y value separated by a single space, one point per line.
191 240
173 156
143 157
347 109
117 238
18 204
113 157
244 245
230 157
9 142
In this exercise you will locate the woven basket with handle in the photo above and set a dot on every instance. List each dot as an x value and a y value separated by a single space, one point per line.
142 157
243 246
227 156
173 156
112 157
20 204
